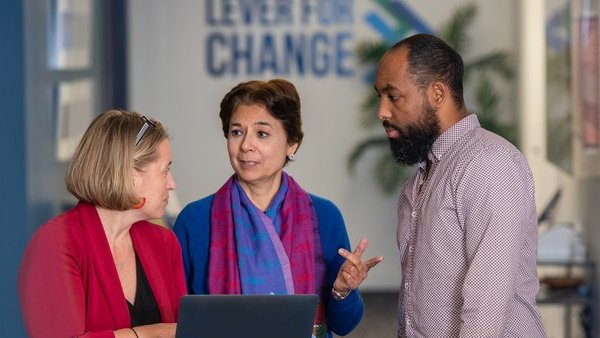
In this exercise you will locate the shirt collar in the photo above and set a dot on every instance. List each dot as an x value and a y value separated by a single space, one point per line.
449 137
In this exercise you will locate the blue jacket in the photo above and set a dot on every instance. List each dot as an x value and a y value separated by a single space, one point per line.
193 231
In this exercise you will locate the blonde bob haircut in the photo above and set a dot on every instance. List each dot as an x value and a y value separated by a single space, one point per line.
101 170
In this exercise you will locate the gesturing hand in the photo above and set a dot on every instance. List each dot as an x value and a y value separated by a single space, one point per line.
354 270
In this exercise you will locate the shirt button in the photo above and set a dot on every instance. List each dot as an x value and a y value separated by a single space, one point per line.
406 285
420 182
410 249
414 214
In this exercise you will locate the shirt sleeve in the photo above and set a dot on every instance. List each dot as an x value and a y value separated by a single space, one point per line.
342 316
51 288
496 208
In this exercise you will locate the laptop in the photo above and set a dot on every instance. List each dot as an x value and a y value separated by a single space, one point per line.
247 316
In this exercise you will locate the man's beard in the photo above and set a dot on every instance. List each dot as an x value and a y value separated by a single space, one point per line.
415 140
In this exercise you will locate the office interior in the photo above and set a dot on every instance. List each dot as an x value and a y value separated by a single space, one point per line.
175 60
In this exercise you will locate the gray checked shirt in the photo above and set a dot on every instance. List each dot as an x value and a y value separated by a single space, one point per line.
467 234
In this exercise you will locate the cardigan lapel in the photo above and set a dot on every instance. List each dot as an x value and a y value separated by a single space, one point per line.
143 247
104 264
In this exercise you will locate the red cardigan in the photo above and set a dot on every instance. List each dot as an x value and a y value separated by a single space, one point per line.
68 282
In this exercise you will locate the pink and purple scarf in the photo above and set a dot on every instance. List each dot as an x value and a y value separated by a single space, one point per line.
252 253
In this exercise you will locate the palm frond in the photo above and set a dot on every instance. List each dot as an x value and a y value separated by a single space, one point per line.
362 147
487 100
389 174
479 78
486 96
368 112
497 62
454 32
369 52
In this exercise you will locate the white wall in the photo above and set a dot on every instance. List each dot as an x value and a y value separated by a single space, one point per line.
168 81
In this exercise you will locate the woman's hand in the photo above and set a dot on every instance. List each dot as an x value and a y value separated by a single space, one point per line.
160 330
354 271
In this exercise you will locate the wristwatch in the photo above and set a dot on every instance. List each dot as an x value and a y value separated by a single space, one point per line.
339 295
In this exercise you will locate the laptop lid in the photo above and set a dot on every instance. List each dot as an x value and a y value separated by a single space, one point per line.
248 316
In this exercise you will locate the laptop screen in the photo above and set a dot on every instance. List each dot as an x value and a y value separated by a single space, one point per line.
248 316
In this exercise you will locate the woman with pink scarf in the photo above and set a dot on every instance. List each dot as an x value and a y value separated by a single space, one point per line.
261 233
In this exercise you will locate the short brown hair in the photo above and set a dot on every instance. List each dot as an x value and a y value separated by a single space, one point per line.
279 97
100 171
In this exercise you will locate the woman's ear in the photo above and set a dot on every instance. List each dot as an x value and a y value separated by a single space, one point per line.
293 148
137 180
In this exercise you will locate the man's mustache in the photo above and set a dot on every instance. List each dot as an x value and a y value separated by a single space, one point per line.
388 125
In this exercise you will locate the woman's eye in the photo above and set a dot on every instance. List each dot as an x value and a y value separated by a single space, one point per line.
394 98
262 134
235 132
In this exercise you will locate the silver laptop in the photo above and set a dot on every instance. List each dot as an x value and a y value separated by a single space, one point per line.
247 316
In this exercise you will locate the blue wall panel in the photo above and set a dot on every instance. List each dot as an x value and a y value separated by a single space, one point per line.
13 211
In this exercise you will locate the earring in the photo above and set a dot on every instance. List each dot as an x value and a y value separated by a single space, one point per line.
291 156
140 203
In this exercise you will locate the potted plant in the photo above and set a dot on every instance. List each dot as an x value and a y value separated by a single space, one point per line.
479 76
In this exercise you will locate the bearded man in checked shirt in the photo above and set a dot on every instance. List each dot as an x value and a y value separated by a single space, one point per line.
467 226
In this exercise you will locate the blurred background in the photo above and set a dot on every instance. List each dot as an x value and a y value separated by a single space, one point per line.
532 76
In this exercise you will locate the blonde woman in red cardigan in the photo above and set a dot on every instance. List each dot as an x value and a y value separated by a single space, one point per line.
100 269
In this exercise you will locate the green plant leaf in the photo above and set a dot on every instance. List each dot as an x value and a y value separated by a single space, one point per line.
364 145
454 32
497 62
368 112
389 174
486 96
480 77
369 52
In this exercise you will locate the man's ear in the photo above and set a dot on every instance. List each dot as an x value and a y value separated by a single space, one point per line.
437 93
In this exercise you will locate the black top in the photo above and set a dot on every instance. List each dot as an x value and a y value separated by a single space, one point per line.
145 311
